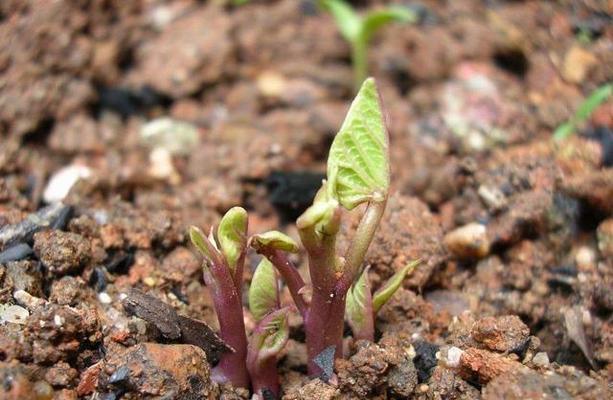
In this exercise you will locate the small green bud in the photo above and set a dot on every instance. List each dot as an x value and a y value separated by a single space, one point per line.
274 240
232 235
386 292
264 290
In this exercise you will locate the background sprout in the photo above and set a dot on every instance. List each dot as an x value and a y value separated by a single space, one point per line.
358 30
585 110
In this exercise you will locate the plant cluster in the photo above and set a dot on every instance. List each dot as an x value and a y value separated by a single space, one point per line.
358 30
358 176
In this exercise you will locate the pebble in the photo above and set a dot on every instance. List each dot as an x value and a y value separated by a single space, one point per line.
16 253
577 63
468 241
104 298
453 357
63 180
503 334
176 137
541 359
14 314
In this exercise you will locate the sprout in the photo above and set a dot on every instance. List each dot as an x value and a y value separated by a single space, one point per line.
358 30
585 110
358 174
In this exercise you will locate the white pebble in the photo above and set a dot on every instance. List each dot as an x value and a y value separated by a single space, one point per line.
541 359
63 180
453 357
105 298
14 314
58 320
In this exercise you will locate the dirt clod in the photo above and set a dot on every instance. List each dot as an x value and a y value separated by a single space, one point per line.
503 334
156 370
61 252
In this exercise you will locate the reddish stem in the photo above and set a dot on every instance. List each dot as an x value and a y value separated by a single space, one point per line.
229 310
290 275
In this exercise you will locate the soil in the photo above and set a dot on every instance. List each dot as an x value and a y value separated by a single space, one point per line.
513 299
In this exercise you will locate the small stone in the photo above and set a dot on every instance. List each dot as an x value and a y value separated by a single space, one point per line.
453 357
605 238
161 166
468 241
14 314
577 63
541 360
493 197
503 334
63 180
176 137
104 298
271 84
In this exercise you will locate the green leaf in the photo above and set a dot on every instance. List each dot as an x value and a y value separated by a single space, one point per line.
264 290
271 333
563 131
358 306
378 18
232 235
202 243
347 20
596 98
386 292
275 240
585 110
358 164
320 215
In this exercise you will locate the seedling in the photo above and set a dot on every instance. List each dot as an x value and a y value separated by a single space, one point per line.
585 110
358 30
358 176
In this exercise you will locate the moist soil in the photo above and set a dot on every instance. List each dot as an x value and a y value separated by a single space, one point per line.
513 299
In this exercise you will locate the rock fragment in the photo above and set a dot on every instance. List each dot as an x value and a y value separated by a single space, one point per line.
468 241
503 334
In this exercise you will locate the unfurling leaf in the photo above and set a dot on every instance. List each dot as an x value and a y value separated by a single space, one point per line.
232 235
202 243
271 333
274 240
322 215
386 291
378 18
358 307
264 290
348 21
358 164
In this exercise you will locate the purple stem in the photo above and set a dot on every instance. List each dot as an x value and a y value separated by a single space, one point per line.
290 275
229 310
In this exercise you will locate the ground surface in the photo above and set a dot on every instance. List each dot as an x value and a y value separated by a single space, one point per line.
514 298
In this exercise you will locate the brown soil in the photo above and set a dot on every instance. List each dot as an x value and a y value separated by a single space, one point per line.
513 299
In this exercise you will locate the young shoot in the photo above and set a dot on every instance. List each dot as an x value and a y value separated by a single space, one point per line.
358 173
358 30
585 110
362 306
358 177
224 255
